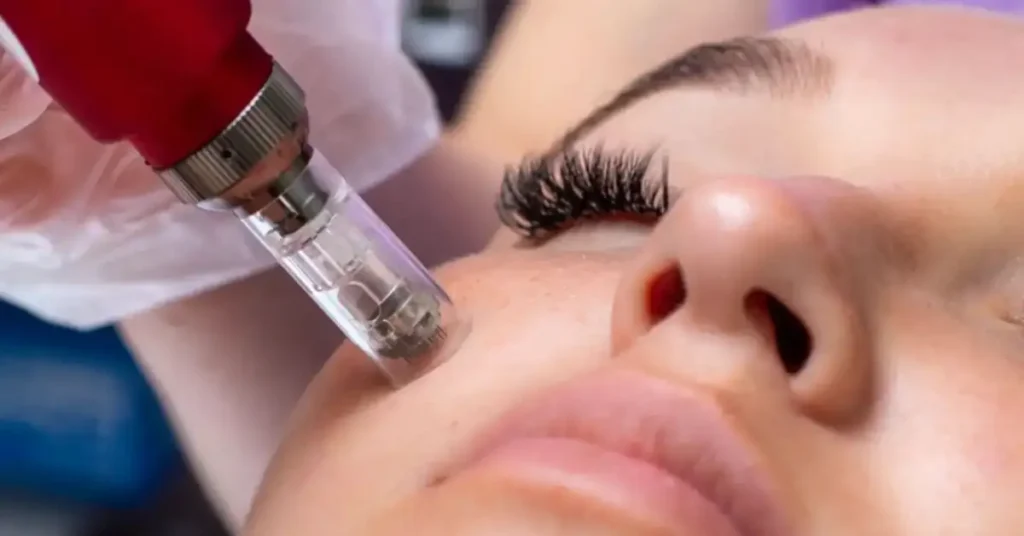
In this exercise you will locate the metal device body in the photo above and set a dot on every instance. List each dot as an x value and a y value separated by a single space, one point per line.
226 128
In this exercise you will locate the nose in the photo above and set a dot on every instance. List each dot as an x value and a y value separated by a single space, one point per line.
765 268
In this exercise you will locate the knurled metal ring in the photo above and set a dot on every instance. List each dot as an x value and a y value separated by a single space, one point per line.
273 116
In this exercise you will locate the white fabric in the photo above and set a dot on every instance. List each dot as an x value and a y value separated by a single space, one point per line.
88 235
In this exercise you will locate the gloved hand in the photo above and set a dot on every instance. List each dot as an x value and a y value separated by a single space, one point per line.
89 235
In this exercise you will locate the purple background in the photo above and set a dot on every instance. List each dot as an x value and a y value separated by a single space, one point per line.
787 11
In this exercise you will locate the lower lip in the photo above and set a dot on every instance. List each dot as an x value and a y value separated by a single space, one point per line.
636 488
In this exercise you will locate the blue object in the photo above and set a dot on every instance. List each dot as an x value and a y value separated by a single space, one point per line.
77 418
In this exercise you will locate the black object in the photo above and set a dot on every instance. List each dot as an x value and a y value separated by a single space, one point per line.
449 84
182 510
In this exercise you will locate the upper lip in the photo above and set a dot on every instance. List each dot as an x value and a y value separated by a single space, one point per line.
680 431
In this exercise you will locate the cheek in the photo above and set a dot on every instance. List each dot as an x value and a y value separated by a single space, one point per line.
950 444
500 292
536 321
540 317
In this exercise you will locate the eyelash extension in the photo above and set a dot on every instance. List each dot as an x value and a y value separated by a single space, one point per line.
549 194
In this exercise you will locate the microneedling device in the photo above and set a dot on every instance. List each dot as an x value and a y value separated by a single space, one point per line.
226 128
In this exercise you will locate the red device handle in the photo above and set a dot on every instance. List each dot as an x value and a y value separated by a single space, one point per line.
167 75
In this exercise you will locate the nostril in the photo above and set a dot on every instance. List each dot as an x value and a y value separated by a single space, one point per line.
793 342
792 339
665 294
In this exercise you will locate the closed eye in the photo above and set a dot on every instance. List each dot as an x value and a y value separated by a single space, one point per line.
544 196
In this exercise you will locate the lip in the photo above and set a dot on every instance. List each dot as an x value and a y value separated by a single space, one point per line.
636 433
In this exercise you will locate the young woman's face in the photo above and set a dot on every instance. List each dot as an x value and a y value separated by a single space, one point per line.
823 334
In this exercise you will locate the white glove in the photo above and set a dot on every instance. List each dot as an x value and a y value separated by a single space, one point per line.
89 235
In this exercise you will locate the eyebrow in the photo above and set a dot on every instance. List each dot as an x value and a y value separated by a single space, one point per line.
781 67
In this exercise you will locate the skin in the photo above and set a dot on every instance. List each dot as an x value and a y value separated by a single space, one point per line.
885 214
229 370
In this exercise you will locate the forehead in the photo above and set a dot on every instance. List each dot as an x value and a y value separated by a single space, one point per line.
925 108
930 79
932 68
927 99
953 34
926 72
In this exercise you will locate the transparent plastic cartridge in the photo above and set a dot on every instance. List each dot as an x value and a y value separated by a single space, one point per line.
359 273
262 168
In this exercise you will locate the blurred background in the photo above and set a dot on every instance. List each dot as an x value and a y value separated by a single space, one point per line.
84 447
